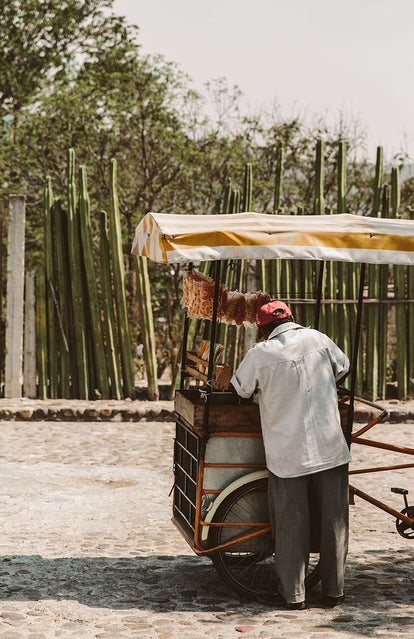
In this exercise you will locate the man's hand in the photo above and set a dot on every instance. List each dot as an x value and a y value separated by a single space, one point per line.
344 376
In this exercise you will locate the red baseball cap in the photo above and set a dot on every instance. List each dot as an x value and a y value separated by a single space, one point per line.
271 311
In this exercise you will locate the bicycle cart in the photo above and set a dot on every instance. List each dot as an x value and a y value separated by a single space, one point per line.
220 476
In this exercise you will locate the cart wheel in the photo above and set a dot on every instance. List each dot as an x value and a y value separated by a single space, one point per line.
248 567
404 529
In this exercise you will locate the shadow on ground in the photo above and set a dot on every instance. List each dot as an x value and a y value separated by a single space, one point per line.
380 586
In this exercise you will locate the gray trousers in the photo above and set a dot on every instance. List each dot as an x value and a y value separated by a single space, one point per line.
290 516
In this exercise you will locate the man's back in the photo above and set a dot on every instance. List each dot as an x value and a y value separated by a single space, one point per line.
294 372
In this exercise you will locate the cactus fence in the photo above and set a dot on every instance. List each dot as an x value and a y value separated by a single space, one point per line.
84 347
386 356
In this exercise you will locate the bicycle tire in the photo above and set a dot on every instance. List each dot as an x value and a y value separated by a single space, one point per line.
248 568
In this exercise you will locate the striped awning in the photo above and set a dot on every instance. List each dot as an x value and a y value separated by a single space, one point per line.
171 238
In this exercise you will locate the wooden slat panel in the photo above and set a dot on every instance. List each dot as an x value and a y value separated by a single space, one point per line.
223 417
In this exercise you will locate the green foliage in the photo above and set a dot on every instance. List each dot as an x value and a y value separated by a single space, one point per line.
41 39
74 77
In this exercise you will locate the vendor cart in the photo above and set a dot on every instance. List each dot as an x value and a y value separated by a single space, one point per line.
220 475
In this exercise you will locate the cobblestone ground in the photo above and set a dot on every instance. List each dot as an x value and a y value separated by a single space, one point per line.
87 548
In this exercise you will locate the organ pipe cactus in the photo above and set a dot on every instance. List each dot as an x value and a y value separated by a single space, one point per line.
79 367
41 336
341 178
378 181
319 201
52 347
400 294
395 190
373 353
92 299
147 325
247 187
410 324
63 296
277 198
119 287
384 270
109 325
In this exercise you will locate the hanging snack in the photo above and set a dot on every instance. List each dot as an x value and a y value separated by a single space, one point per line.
240 310
188 282
198 296
233 307
253 302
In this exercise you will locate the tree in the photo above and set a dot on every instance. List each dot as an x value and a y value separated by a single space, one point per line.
41 38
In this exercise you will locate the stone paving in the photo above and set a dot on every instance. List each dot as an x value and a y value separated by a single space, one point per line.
127 410
87 548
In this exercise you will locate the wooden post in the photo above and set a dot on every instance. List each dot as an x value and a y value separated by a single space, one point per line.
15 295
29 364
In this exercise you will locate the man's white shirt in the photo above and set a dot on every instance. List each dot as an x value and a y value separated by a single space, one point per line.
294 373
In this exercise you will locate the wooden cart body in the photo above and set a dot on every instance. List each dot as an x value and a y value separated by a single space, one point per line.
209 462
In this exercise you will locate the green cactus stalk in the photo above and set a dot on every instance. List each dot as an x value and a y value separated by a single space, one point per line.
378 181
147 325
52 348
373 353
80 364
343 329
318 209
247 187
401 330
278 188
373 319
41 336
400 294
238 281
227 196
395 190
341 178
109 325
410 321
94 307
319 201
119 286
384 270
63 296
235 201
275 266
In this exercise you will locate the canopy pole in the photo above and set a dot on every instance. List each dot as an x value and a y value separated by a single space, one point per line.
319 294
217 265
185 339
184 353
355 353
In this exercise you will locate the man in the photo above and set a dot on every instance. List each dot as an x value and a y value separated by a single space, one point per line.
295 372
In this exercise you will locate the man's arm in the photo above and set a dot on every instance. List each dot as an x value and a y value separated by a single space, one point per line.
343 377
244 379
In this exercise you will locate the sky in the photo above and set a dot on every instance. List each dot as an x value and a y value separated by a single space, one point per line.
316 57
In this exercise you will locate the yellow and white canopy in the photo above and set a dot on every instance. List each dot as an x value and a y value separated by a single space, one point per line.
171 238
